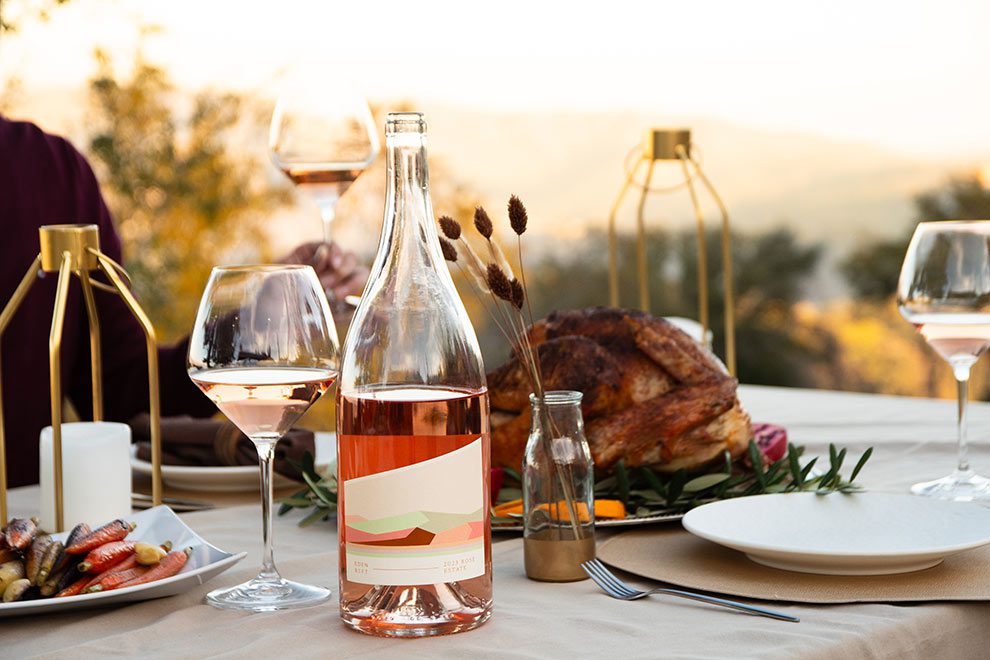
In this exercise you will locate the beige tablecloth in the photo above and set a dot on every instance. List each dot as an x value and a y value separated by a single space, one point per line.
914 439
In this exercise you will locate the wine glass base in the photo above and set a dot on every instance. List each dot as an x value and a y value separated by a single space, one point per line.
267 596
959 487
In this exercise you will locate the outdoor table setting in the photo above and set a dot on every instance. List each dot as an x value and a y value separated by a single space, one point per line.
472 505
535 619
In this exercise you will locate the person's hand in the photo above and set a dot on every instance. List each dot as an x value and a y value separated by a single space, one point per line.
340 272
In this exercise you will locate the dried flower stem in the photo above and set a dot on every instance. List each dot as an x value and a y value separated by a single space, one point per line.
497 280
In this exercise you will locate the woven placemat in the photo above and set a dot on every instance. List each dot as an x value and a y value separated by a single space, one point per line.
677 557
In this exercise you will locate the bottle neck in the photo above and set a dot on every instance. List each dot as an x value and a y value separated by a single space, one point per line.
562 407
409 235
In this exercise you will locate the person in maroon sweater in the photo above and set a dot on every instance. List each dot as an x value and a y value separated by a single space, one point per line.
45 181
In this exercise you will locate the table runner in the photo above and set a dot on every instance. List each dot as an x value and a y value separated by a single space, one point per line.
531 620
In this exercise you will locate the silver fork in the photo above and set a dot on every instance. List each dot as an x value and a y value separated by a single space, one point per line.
616 588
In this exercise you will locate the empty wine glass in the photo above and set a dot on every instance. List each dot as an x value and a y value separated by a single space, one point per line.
263 349
944 290
323 137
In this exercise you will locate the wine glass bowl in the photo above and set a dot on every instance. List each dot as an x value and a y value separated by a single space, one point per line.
264 349
944 291
323 138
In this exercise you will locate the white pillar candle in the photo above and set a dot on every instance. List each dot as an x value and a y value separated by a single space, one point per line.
96 474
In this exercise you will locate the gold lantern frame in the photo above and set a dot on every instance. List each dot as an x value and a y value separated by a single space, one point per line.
68 250
664 144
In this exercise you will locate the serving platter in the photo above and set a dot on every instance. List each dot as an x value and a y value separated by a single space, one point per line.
155 525
628 521
863 533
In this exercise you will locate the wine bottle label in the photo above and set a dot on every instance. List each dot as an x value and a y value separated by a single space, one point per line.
421 523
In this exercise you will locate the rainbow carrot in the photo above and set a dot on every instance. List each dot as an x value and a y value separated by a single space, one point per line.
74 588
112 531
107 555
167 567
114 579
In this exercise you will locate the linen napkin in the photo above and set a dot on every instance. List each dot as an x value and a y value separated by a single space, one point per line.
208 442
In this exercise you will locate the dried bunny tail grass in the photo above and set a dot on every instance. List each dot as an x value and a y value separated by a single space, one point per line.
500 259
483 223
499 283
518 296
450 227
448 249
475 266
518 218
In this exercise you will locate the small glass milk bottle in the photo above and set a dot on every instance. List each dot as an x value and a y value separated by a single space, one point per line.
558 490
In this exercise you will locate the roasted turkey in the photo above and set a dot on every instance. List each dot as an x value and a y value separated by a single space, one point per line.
652 395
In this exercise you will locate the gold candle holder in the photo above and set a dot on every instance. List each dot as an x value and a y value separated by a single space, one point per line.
665 144
75 250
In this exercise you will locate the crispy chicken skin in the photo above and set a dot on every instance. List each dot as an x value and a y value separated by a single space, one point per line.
652 395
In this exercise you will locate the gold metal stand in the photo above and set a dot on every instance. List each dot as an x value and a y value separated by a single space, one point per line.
674 145
75 250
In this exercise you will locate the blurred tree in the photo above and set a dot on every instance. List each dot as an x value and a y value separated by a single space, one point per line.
11 19
770 269
182 199
770 272
872 270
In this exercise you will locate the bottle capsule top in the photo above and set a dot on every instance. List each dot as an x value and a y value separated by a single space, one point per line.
405 122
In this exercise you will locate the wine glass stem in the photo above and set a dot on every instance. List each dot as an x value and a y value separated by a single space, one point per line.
961 371
327 212
266 456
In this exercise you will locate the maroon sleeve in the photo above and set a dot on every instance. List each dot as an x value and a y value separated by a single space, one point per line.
125 365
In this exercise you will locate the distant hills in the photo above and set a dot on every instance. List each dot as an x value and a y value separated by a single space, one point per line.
568 167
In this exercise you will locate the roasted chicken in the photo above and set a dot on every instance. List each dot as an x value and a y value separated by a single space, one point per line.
652 395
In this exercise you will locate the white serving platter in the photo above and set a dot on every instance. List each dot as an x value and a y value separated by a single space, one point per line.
238 478
155 525
843 534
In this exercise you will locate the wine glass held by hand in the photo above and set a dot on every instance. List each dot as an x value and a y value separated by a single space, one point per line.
944 290
263 349
323 137
340 272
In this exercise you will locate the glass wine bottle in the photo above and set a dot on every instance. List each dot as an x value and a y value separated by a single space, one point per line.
412 428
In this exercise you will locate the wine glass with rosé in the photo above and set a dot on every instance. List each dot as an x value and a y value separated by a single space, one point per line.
264 349
944 290
323 137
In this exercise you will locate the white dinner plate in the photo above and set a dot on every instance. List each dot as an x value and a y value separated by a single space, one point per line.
838 534
156 526
236 478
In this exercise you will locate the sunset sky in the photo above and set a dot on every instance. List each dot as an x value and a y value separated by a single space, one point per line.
907 75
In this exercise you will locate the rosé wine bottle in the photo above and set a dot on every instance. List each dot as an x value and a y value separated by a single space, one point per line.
412 428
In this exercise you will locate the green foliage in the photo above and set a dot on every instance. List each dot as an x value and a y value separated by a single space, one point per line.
872 270
648 493
182 199
643 491
320 493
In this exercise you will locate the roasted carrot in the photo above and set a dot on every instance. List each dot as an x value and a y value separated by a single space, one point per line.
167 567
20 532
113 579
128 563
107 555
78 532
112 531
58 581
53 555
74 588
35 555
